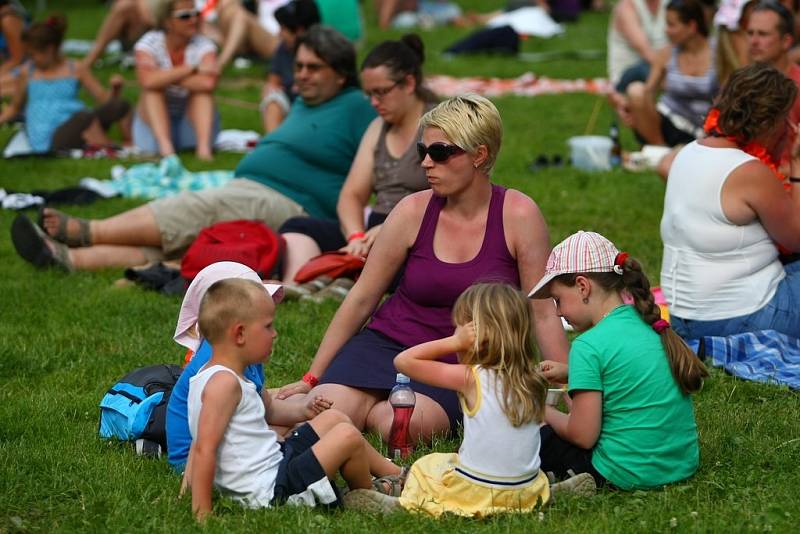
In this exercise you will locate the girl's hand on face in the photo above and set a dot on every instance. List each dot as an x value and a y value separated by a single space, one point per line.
464 336
554 371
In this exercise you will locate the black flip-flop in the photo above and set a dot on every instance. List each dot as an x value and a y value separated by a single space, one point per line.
30 241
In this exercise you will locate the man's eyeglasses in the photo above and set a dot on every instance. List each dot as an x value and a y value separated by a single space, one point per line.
312 67
380 92
185 14
439 152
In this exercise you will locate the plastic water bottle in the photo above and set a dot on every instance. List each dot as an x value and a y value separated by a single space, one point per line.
616 146
402 399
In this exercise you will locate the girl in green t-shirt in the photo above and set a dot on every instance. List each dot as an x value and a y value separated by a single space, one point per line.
631 421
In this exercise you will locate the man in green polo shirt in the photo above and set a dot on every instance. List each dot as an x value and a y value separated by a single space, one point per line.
298 169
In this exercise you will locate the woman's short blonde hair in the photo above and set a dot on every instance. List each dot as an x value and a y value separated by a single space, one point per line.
468 121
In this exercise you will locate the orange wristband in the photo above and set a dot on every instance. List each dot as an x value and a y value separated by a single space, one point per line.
356 235
310 379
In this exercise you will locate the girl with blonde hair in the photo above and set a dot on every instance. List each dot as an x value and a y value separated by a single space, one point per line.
503 399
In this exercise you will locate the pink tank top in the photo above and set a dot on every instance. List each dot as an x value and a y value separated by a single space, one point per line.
420 310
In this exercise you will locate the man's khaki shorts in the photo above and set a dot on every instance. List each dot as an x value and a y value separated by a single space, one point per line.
180 218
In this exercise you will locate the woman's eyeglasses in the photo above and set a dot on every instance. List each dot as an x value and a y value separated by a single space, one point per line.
379 92
185 14
439 152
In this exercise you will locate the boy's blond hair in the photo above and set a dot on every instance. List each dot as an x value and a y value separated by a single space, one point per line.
226 302
468 121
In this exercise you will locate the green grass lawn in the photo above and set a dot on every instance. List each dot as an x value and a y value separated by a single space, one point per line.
65 339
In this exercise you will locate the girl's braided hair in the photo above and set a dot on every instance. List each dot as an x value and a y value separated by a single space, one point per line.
687 369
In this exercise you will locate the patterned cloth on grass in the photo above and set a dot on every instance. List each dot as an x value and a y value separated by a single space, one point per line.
166 178
527 84
764 356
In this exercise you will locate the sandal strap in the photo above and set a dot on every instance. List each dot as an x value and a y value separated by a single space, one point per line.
387 485
394 483
82 239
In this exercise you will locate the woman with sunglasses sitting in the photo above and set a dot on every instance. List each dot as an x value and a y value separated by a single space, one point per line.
177 70
464 230
386 164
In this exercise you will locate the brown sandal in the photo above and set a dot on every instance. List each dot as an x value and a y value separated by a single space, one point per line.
31 242
82 239
391 485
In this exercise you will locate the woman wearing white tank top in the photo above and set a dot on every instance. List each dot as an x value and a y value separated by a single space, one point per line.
726 211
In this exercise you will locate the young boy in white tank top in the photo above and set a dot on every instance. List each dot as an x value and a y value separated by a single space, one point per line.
233 448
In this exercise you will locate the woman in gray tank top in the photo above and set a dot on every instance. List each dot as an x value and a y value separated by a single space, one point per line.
686 73
386 164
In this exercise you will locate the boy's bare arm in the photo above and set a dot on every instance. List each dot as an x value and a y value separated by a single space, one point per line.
220 397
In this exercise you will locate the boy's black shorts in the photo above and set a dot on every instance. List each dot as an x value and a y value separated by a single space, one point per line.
301 479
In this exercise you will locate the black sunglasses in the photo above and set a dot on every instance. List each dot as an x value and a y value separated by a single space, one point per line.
185 14
439 152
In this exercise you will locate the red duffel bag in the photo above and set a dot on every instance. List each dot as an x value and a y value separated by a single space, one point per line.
250 243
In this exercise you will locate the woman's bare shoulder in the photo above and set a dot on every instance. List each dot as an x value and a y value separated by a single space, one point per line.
372 132
519 205
412 205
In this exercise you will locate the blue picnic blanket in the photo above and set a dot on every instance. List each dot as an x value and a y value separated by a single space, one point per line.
763 356
166 178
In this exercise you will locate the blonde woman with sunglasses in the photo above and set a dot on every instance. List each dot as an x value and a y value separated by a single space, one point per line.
464 230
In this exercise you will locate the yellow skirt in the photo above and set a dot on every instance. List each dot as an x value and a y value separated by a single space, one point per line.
434 487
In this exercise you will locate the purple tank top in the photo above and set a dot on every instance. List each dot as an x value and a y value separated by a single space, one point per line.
421 308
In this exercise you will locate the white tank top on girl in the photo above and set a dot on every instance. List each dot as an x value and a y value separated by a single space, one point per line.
248 455
712 268
492 449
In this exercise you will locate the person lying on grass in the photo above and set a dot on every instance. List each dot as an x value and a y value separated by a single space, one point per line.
631 423
234 448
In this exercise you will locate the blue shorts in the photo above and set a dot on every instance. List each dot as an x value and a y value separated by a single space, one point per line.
781 313
301 479
638 72
181 133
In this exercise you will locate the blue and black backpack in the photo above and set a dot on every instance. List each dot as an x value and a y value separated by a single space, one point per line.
136 406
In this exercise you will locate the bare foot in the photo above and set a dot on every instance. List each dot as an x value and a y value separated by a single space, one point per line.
69 230
204 155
